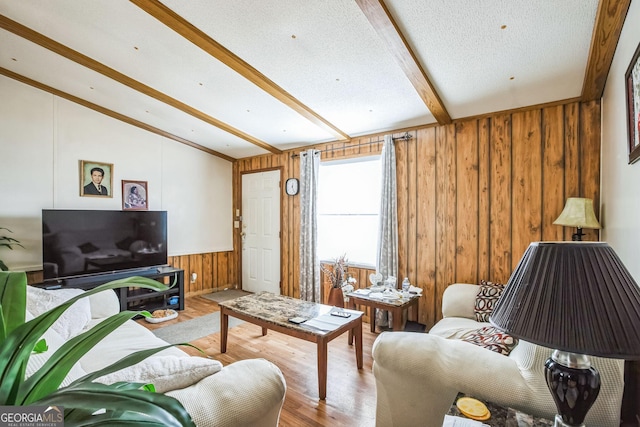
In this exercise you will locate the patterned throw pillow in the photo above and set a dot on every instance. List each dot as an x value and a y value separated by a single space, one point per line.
486 299
492 339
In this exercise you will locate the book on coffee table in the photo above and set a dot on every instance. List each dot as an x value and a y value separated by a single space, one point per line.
327 322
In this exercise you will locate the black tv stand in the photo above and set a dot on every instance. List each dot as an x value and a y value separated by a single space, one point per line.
132 297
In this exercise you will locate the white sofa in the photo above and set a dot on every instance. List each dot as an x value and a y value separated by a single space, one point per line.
419 374
248 392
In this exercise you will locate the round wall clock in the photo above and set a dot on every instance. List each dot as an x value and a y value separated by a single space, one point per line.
292 186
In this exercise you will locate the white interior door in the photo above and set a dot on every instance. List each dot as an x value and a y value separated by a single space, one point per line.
261 231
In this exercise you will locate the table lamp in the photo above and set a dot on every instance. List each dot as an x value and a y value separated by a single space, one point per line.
578 212
557 286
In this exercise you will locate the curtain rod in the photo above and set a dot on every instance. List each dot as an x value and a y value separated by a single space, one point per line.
407 136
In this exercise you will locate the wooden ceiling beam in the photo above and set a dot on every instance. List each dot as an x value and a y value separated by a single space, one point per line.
110 113
604 39
185 29
75 56
384 24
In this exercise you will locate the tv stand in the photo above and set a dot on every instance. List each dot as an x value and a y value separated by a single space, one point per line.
133 297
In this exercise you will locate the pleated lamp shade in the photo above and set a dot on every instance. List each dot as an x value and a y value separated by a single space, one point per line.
572 296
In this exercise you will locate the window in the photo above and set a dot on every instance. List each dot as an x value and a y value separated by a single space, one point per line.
348 205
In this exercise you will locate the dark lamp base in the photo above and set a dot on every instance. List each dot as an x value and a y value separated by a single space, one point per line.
558 422
574 387
577 236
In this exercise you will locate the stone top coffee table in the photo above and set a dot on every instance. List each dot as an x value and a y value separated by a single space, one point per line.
270 311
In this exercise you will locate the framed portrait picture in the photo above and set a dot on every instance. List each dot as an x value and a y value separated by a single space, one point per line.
134 196
96 179
632 79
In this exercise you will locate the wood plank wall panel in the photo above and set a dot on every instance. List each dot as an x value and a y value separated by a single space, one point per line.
412 209
206 280
484 207
220 267
425 273
472 195
467 198
286 239
552 171
590 159
526 182
403 152
444 227
292 264
196 262
571 156
500 198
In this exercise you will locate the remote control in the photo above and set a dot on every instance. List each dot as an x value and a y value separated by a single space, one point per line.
340 314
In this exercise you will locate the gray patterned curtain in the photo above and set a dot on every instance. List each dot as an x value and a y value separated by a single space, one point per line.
387 259
309 263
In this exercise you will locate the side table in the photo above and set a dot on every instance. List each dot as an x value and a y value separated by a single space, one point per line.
396 307
504 417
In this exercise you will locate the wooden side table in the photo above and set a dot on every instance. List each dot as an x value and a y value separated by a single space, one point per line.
396 307
504 417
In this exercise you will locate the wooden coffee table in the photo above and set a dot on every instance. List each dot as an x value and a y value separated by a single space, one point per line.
270 311
395 306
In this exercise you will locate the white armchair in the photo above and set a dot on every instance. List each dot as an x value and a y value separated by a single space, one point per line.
419 374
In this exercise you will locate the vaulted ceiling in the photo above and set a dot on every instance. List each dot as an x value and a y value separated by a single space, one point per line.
240 78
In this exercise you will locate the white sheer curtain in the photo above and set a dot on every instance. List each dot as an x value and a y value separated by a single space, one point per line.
309 263
387 259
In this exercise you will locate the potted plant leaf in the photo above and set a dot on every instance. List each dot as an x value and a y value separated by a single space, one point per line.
7 242
85 402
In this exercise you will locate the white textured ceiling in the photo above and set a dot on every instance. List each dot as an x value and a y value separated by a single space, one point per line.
473 49
481 56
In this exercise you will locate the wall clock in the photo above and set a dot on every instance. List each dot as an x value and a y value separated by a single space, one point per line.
292 186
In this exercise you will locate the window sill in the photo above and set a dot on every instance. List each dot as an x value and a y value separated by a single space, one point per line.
362 265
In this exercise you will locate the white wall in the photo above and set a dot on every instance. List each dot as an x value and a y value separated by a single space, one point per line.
42 140
620 196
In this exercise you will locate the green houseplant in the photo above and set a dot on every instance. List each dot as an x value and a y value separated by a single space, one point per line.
120 403
7 242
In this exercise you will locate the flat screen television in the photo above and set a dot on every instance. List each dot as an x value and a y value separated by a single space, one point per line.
86 242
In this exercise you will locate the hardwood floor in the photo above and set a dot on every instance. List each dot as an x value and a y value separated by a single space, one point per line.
351 398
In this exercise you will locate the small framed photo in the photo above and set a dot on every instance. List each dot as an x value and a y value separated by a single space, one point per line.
134 196
632 79
96 179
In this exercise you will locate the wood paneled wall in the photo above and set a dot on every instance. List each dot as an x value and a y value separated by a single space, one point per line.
214 269
472 195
